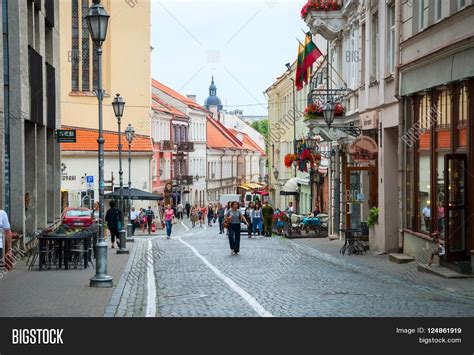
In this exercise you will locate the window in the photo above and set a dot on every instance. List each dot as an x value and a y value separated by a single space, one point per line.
443 109
438 9
463 106
424 191
75 46
391 38
374 47
461 3
421 14
80 49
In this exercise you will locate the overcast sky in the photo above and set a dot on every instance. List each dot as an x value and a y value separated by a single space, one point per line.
244 44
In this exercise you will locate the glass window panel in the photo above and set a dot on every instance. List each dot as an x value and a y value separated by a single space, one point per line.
85 49
424 192
75 46
440 198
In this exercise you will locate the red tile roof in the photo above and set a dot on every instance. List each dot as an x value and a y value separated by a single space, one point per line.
218 136
86 140
247 142
160 105
167 90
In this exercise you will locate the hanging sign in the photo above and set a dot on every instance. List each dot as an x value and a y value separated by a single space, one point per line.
363 150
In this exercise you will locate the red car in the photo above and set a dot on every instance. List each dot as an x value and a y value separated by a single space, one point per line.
78 217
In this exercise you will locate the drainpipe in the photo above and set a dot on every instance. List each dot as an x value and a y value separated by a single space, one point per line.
401 128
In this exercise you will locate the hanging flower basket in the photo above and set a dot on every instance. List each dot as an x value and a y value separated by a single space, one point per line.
290 159
313 111
319 5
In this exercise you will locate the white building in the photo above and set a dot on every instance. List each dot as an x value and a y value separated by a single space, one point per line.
79 166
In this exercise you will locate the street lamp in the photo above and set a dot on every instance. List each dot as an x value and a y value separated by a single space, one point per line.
97 21
328 113
276 173
196 178
129 135
118 104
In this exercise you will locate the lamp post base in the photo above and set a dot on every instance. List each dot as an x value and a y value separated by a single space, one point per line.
130 233
123 243
101 279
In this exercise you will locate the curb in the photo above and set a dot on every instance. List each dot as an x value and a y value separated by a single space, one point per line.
112 307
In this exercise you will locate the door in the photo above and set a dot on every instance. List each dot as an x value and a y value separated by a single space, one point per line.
455 206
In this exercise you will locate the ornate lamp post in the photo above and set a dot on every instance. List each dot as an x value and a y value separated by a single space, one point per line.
129 135
118 104
97 21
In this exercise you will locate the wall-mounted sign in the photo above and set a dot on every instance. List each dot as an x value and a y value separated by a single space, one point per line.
369 120
66 135
363 150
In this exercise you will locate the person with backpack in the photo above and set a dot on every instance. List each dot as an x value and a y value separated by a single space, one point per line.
150 216
113 217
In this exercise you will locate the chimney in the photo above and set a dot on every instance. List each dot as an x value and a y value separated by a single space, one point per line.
192 97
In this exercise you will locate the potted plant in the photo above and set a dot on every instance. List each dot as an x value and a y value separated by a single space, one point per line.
372 223
324 17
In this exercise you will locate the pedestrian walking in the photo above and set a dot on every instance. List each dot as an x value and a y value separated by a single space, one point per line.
187 207
95 212
267 215
248 216
210 215
179 211
193 216
257 219
143 220
200 215
150 216
169 216
134 219
5 231
113 217
234 218
220 217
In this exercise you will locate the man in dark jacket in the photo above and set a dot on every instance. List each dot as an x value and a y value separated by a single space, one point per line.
267 214
150 216
187 207
113 217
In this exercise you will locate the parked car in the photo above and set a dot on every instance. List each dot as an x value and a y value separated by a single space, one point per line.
77 217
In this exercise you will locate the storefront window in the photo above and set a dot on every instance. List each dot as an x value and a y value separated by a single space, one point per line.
424 188
440 198
443 109
462 116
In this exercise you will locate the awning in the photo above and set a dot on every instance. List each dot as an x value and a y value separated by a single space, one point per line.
262 193
245 187
253 185
290 188
135 194
64 190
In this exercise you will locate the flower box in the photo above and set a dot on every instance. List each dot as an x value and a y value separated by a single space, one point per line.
324 17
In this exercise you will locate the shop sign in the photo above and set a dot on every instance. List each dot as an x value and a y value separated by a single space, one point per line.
363 150
66 135
369 120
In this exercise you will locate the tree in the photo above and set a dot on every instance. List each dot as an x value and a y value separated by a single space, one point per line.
261 126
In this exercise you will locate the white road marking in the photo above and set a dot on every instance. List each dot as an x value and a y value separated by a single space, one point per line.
151 284
236 288
185 226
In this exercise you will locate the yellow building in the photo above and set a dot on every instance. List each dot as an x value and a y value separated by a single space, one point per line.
126 64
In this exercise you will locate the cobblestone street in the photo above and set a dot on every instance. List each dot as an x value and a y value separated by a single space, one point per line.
193 275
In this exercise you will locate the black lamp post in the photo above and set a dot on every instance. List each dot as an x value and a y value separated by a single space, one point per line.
129 135
118 104
97 21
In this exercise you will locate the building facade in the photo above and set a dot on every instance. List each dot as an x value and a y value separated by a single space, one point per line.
29 114
437 152
79 75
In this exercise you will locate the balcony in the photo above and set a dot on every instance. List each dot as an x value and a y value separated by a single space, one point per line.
183 180
166 146
327 20
186 147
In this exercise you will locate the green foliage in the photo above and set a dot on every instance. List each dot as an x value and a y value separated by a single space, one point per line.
261 126
373 217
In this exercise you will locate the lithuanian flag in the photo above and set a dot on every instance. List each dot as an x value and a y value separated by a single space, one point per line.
300 73
311 55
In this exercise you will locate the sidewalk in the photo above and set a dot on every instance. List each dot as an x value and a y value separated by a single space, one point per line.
380 265
58 293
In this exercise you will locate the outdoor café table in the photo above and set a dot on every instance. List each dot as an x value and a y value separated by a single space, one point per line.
63 239
350 242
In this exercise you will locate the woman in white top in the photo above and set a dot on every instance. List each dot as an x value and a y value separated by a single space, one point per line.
257 219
